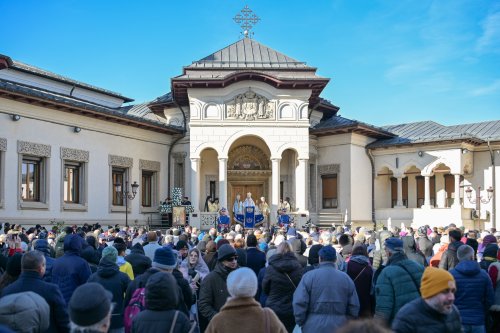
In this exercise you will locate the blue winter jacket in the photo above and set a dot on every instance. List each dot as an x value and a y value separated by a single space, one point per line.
474 294
70 270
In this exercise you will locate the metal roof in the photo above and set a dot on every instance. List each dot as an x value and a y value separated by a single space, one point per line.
430 131
17 65
10 89
248 53
338 124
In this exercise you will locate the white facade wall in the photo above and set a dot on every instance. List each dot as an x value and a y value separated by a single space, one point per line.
100 139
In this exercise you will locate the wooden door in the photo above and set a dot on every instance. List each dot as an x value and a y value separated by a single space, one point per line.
257 191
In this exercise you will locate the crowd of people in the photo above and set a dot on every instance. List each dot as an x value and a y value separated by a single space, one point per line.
115 279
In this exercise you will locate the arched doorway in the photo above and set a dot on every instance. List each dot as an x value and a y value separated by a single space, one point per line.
248 170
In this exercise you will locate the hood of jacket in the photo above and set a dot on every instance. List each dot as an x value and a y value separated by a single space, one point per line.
107 268
137 248
42 245
409 244
73 244
162 292
468 267
284 263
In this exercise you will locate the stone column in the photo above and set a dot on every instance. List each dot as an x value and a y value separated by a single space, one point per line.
223 182
275 187
195 183
399 202
300 185
427 193
456 201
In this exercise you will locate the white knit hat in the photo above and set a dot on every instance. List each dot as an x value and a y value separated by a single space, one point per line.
242 283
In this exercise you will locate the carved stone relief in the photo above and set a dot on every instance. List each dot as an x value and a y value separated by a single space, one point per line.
149 165
120 161
74 154
31 148
250 106
248 158
179 157
3 144
208 220
328 169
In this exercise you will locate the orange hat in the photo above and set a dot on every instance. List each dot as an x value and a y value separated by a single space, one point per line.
435 281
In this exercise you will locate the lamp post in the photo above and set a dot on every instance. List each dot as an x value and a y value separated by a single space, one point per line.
125 194
478 200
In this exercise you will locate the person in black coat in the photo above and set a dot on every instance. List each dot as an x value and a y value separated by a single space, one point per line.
139 261
280 281
90 253
313 258
33 269
109 276
360 271
256 259
162 301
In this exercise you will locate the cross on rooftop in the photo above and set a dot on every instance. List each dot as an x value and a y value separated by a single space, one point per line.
247 19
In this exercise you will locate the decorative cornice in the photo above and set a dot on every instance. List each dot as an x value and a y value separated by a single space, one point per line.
149 165
3 144
121 161
31 148
74 154
328 169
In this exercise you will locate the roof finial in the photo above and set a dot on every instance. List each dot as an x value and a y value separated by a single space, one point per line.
246 19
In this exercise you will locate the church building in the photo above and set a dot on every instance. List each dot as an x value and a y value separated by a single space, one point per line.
244 119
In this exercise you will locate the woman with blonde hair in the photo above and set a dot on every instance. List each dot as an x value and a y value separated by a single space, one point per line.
280 281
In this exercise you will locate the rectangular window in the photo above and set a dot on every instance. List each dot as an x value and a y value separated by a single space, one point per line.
282 190
212 189
31 170
394 192
147 188
72 182
118 176
179 175
329 186
421 190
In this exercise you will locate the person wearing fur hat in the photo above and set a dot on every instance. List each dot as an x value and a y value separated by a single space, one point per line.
398 282
434 311
325 298
241 313
213 289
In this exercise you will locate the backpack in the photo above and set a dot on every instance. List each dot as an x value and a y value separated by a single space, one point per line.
136 305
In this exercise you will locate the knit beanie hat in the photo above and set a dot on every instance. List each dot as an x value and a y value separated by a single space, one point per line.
225 251
328 253
89 304
110 253
313 257
394 244
434 281
14 265
221 242
242 283
181 245
165 258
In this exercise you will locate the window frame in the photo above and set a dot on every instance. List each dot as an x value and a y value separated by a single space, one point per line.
42 201
153 168
334 199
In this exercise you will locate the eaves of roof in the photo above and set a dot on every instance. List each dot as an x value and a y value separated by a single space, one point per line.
7 62
338 125
37 96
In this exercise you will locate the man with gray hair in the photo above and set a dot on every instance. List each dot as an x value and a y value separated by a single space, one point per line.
398 283
474 294
90 309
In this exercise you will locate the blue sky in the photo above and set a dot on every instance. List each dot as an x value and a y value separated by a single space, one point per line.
389 61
